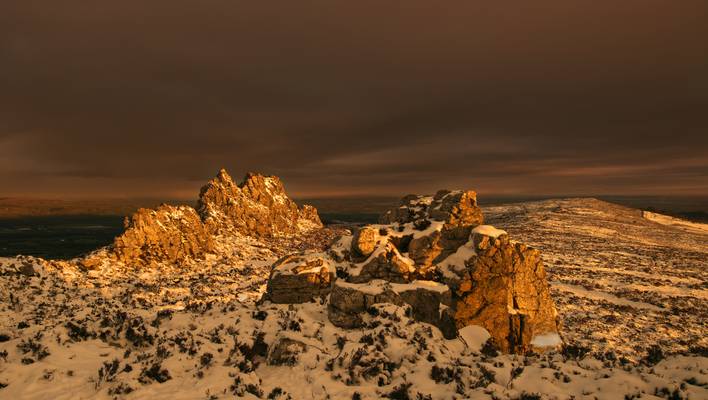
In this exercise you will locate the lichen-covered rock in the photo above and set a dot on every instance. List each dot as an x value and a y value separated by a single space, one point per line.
429 302
503 288
257 207
298 278
167 234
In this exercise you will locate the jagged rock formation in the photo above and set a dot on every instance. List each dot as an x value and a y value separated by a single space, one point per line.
257 207
502 287
449 216
435 255
166 234
285 351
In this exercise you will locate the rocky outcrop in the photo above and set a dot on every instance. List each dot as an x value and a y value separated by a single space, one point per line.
457 208
257 207
489 280
166 234
446 220
502 287
386 262
435 256
299 278
429 302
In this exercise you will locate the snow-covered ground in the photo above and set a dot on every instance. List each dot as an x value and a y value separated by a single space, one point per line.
631 293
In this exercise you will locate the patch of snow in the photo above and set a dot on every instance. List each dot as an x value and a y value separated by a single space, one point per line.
488 230
598 295
678 223
546 340
376 286
456 260
474 337
427 285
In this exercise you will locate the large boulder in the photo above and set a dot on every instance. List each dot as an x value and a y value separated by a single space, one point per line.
258 206
429 302
364 241
166 234
348 300
298 278
502 287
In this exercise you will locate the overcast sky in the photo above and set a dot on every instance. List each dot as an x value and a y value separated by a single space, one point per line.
151 98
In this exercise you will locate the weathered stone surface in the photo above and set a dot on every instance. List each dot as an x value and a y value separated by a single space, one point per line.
257 207
504 289
386 262
298 278
347 301
364 241
285 351
27 269
457 210
166 234
424 250
429 302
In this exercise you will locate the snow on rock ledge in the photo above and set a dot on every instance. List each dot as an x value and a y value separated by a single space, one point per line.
488 230
299 278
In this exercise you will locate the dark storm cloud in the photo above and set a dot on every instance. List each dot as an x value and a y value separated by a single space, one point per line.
151 98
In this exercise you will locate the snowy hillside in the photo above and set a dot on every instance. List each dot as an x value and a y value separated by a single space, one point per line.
631 292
